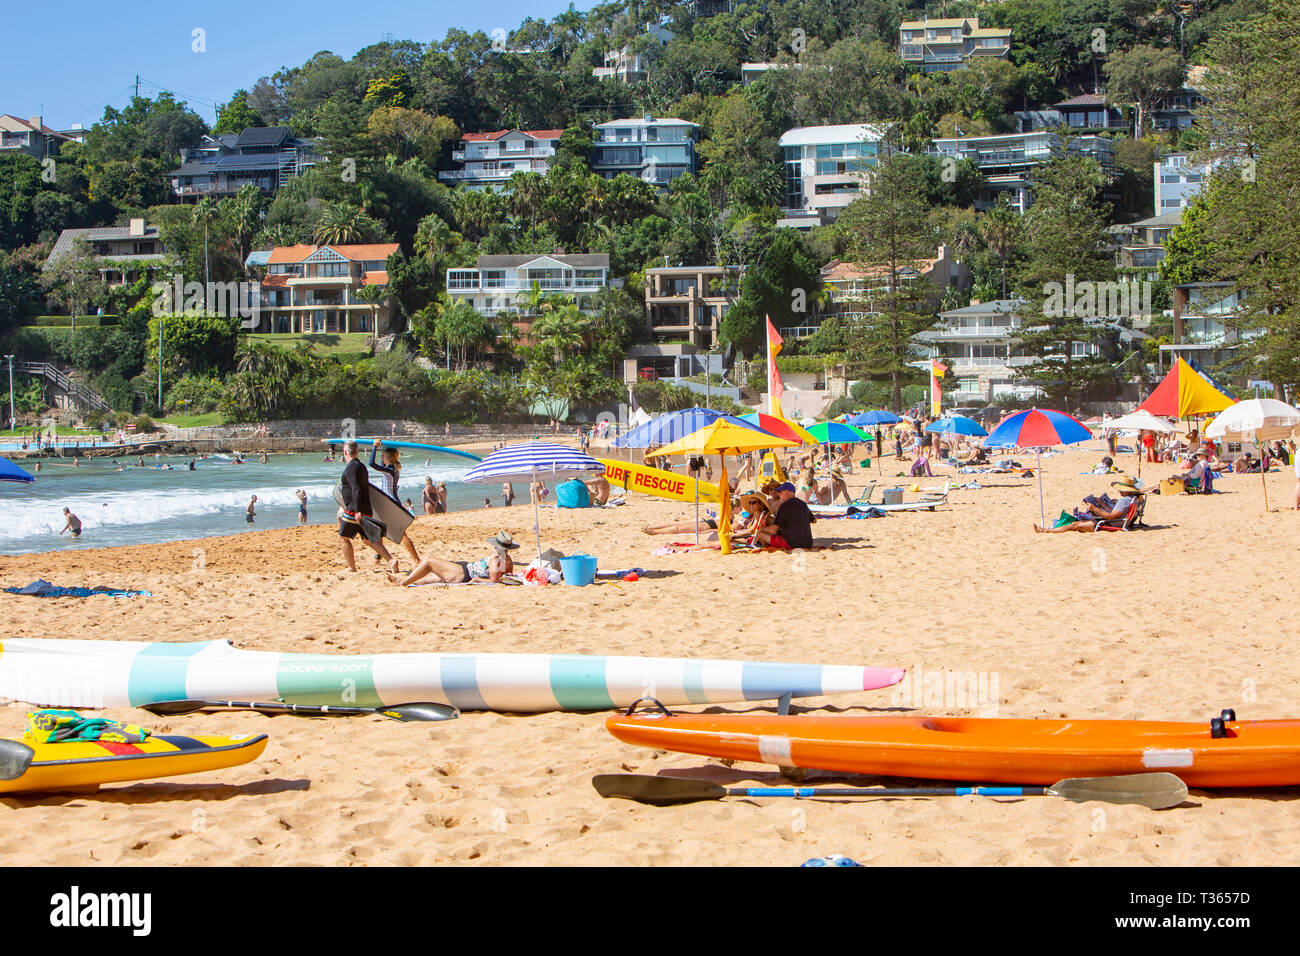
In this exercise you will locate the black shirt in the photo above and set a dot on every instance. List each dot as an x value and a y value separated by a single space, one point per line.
795 519
355 482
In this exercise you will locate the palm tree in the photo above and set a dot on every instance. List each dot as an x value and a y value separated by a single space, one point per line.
245 214
374 296
206 212
1001 227
341 224
527 192
434 238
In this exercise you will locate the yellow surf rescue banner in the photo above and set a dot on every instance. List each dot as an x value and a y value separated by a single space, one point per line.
655 481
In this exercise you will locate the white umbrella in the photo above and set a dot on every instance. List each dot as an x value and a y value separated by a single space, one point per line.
1139 421
1256 419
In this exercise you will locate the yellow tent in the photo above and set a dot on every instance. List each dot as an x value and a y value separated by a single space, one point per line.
722 438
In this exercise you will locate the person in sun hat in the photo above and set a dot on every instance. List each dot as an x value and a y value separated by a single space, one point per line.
1102 509
487 570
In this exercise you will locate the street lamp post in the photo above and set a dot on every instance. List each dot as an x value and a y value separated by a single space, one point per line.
12 418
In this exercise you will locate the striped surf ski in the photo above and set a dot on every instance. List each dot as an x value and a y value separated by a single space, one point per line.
93 674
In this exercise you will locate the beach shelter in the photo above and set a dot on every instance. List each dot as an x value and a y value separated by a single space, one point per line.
534 461
836 433
1185 394
11 472
1257 420
1037 428
722 439
1139 421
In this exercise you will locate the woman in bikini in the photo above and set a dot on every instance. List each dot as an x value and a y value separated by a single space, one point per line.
487 570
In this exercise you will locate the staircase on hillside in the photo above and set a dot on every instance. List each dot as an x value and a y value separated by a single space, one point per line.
60 381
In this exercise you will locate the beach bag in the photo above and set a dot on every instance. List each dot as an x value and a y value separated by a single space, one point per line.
59 726
572 494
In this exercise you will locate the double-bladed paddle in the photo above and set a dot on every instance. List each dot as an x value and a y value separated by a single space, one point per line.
423 710
1157 791
15 758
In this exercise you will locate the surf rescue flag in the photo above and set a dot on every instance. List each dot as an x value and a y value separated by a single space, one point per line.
938 369
774 386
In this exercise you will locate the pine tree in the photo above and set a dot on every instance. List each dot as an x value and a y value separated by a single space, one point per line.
886 235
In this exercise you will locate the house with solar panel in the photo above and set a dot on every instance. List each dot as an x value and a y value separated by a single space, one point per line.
266 157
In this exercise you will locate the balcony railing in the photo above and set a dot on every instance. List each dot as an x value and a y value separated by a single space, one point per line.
461 155
518 285
942 334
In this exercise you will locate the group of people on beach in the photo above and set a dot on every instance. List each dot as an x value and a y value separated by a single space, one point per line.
773 517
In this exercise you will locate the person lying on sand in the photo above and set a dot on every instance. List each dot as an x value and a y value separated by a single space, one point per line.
703 526
1101 510
487 570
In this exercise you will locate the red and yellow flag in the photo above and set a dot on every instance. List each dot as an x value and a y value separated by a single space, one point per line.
775 388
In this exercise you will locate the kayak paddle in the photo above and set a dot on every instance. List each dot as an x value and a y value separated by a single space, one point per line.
15 758
424 710
1155 790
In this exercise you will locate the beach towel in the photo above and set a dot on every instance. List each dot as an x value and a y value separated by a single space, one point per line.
60 726
43 588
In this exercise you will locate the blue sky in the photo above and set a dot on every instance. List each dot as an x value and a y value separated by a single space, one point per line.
77 57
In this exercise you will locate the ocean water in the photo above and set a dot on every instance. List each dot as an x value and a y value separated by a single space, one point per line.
140 505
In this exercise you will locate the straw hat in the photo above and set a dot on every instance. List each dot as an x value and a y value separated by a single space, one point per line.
503 540
751 503
1128 486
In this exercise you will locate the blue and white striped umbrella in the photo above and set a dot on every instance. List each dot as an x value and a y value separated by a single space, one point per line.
535 461
671 426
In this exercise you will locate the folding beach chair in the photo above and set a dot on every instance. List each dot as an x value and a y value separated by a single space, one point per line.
1132 517
864 497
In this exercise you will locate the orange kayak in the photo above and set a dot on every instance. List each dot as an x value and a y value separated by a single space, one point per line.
1249 753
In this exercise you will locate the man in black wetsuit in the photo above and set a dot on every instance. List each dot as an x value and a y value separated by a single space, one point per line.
356 517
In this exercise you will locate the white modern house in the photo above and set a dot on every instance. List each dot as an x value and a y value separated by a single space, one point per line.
1006 161
627 66
1177 181
490 159
824 167
504 283
978 342
654 149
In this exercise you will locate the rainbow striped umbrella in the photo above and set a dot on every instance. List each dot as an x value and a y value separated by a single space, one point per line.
1037 428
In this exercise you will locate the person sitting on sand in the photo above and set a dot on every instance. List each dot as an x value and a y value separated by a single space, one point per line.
1198 470
1105 467
73 524
598 490
791 526
1101 510
487 570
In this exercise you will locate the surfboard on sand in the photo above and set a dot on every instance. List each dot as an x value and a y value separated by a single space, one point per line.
657 482
387 509
363 442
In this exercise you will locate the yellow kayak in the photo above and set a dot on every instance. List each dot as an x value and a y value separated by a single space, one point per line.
84 765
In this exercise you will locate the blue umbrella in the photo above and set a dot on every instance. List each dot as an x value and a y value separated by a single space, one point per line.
957 425
671 426
11 472
534 461
879 417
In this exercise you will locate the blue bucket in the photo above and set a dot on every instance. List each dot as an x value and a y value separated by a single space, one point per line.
578 569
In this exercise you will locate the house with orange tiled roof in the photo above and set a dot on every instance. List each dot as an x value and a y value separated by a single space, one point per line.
488 160
852 290
310 288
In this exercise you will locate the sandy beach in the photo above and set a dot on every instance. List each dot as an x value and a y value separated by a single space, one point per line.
1177 621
